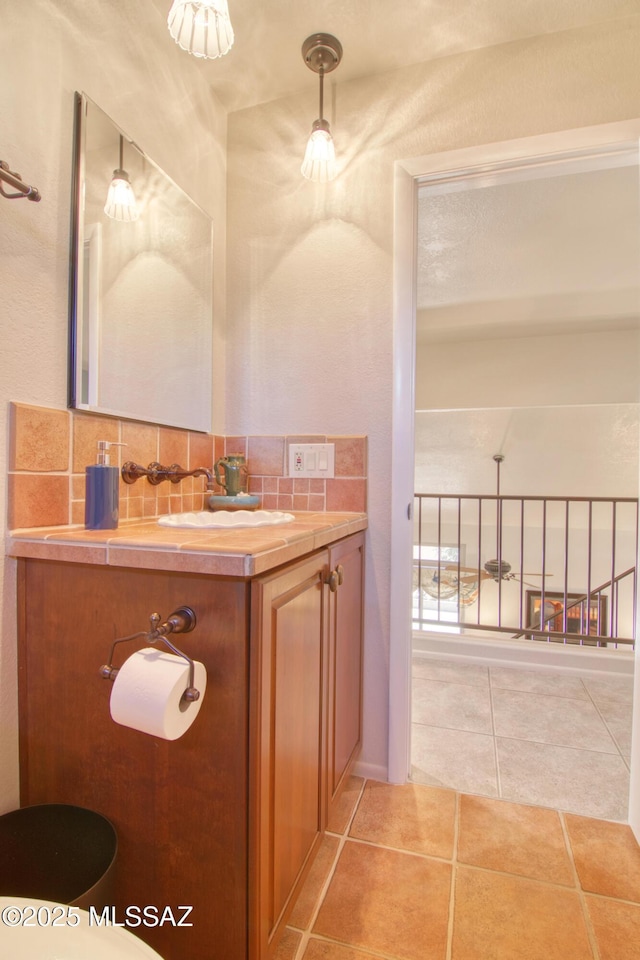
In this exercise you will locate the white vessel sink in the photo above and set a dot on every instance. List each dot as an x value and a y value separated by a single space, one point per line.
205 519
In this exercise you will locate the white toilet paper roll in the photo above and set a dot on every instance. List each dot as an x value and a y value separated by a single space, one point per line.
147 693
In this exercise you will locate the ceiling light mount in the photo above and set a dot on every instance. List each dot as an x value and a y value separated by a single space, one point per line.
322 52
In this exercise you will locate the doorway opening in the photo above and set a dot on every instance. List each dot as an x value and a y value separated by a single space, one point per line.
526 324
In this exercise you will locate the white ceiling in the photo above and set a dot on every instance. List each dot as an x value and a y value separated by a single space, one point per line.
530 253
265 62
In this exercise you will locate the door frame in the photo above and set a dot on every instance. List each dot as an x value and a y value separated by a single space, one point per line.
408 175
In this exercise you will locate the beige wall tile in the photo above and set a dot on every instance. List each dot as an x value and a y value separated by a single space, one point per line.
135 508
77 511
38 500
350 456
40 443
174 447
233 445
304 438
149 508
142 443
265 455
350 495
218 447
39 438
87 430
201 450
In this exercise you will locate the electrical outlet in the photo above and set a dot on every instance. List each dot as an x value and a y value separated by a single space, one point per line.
312 460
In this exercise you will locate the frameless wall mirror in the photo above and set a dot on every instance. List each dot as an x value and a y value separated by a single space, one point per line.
140 287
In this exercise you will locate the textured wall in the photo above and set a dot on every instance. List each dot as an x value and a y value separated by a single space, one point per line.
563 369
563 411
310 283
121 55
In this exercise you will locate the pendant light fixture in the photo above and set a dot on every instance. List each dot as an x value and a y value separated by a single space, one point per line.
322 53
201 27
121 200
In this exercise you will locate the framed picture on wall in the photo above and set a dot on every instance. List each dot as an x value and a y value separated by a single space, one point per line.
585 618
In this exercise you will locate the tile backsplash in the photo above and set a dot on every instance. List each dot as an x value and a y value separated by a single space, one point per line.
50 449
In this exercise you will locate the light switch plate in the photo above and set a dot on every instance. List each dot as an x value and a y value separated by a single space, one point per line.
312 460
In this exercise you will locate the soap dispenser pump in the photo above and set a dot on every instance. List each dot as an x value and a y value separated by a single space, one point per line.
101 504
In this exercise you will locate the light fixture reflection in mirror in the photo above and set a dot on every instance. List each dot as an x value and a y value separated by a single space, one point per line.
121 200
141 292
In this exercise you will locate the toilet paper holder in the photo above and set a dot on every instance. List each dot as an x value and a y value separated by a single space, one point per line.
182 620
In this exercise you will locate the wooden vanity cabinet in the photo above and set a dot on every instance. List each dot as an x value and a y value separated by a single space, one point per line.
227 818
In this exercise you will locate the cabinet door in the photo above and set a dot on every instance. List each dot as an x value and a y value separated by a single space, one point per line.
346 563
288 668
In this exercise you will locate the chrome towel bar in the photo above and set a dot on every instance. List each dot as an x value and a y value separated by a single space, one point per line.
15 180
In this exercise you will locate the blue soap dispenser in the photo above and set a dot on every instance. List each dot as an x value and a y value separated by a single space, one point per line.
101 492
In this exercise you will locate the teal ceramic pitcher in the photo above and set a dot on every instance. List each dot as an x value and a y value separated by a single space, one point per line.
235 476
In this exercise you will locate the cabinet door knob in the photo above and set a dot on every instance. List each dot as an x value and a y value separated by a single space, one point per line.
332 580
335 578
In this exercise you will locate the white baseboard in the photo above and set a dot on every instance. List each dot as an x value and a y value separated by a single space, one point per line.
370 771
555 658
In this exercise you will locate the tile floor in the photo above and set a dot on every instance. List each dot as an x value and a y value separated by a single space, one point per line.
417 872
551 739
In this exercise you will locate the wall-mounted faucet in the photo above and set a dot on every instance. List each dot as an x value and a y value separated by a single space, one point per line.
156 473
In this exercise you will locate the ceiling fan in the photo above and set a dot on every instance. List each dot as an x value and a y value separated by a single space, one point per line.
497 569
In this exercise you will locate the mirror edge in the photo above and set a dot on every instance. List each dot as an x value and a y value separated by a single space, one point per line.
77 177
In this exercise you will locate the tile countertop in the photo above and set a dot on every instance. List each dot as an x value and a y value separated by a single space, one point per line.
242 552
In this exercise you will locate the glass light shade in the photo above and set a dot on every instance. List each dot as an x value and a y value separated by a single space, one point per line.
121 200
319 162
201 27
